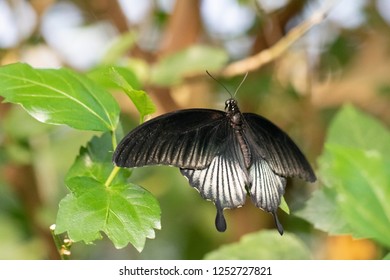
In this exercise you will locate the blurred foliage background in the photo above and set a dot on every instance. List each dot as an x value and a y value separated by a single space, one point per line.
169 45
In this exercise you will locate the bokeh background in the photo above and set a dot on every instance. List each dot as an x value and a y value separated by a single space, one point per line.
345 59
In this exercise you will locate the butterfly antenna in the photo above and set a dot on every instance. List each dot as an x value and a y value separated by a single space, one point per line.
211 76
243 80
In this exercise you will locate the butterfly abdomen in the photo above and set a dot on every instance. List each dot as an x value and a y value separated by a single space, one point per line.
244 148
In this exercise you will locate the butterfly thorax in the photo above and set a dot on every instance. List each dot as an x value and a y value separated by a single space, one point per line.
236 121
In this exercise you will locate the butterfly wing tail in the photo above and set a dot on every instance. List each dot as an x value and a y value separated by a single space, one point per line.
277 223
267 189
220 222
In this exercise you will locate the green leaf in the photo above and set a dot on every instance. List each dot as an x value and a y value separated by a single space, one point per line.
59 96
125 213
322 212
194 60
352 128
95 161
141 100
263 245
355 171
284 206
387 257
362 180
103 77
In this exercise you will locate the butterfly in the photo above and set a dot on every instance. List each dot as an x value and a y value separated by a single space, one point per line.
225 155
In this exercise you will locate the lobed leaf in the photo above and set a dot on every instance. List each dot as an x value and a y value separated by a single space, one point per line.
125 213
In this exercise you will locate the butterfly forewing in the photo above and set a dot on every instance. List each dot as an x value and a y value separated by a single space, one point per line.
187 139
270 143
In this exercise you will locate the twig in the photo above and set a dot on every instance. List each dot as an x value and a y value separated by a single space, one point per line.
63 246
256 61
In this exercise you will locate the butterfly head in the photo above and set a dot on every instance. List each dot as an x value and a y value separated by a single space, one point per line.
231 106
233 112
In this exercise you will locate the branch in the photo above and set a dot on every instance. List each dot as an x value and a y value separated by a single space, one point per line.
258 60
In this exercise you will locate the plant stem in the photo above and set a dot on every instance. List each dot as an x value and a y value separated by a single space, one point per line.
112 176
113 139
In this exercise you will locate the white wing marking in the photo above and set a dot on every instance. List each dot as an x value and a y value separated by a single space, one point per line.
222 182
267 188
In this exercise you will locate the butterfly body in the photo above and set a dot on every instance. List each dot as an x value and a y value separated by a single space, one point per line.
224 155
237 123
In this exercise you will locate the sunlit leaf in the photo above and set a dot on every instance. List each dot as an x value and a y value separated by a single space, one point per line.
263 245
102 76
59 96
140 98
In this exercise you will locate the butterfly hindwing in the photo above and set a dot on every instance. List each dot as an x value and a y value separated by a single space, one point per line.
223 181
186 138
270 143
267 188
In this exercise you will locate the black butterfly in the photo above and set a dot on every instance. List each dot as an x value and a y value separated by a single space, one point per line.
224 155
